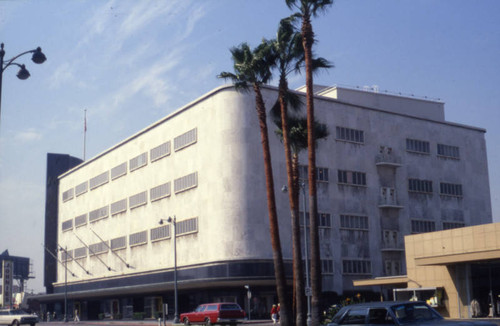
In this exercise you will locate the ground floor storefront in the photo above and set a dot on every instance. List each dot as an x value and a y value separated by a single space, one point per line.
456 271
155 304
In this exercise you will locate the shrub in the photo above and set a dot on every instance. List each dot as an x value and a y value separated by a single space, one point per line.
138 316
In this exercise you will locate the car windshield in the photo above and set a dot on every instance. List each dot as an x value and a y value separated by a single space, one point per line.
414 312
18 312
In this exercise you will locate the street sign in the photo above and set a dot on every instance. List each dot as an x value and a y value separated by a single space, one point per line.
308 291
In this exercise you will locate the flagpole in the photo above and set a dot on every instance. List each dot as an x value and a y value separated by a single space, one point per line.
85 134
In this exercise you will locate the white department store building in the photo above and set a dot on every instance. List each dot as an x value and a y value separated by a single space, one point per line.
391 166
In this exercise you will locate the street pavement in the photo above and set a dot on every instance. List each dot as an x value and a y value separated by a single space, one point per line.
148 322
151 322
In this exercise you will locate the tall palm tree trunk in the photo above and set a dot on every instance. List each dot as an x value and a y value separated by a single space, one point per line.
307 41
279 269
301 317
294 208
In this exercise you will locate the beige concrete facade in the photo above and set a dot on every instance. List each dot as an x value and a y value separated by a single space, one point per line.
443 260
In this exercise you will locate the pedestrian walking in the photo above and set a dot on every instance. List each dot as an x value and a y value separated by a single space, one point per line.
274 314
76 317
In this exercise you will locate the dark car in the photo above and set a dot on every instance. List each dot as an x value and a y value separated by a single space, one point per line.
394 313
215 313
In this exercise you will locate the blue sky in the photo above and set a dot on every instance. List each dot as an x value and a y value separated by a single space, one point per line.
130 63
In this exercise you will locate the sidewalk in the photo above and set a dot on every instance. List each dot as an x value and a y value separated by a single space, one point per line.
130 322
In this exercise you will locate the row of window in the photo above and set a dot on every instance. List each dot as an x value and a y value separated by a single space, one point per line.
423 147
360 222
356 178
180 142
162 232
156 193
360 267
421 226
412 145
425 186
321 173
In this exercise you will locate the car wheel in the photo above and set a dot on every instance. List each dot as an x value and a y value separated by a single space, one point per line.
32 324
208 322
15 323
186 322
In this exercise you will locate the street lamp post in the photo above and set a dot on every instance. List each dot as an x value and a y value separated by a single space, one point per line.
173 222
308 287
249 296
65 283
38 57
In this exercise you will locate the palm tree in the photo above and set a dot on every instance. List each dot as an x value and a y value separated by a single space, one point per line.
308 8
298 143
254 68
290 56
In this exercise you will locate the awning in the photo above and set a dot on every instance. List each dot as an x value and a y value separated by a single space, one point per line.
389 280
458 258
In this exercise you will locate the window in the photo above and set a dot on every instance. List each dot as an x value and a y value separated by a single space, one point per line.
186 139
379 316
417 185
81 220
187 226
98 214
138 238
67 225
99 180
159 151
161 232
327 266
450 189
324 219
160 191
80 252
356 267
453 225
119 243
354 222
392 267
321 173
350 135
66 255
98 248
448 151
355 316
119 206
421 226
68 195
138 199
390 238
118 171
417 146
186 182
351 178
138 161
81 188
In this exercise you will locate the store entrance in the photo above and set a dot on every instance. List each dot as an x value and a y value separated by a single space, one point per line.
486 287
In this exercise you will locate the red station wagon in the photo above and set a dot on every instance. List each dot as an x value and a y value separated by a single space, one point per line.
214 313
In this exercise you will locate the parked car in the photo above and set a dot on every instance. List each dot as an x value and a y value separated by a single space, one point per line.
16 317
214 313
394 313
